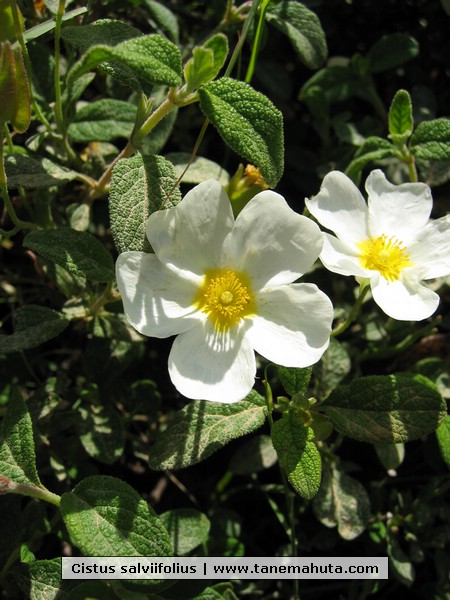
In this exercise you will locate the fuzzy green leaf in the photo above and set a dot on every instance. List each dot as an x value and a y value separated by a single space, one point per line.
303 29
140 186
443 438
248 122
201 428
373 149
107 517
17 454
35 325
103 121
164 19
294 380
43 28
391 51
34 173
78 252
41 579
298 454
431 140
206 62
188 528
386 409
149 59
343 502
400 117
108 32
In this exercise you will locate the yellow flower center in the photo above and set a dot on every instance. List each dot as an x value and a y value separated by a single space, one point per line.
386 255
226 297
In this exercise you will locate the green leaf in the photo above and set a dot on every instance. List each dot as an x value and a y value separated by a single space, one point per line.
343 502
103 121
34 173
140 185
164 18
43 28
297 454
386 409
443 438
149 59
391 51
42 579
101 432
255 454
373 149
431 140
108 32
295 380
188 528
390 455
303 29
400 117
399 562
201 428
78 252
334 365
199 170
107 517
248 122
336 83
206 62
17 454
14 88
35 325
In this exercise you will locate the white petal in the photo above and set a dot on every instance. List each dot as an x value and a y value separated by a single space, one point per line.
340 207
397 210
293 324
431 249
157 302
342 258
207 365
405 299
271 242
190 235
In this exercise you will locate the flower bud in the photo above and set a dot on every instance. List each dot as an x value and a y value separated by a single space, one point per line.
14 88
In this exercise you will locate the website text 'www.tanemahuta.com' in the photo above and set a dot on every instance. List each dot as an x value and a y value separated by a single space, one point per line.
126 567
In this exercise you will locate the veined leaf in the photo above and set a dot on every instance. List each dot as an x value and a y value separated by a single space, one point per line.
103 121
201 428
248 122
140 185
386 409
303 29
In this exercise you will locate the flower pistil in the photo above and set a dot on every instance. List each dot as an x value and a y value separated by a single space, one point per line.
387 255
225 296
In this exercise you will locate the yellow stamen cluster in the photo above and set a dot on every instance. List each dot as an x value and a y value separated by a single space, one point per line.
386 255
225 296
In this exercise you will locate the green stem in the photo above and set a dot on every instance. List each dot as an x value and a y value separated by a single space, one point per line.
57 82
353 313
248 21
5 195
24 489
257 42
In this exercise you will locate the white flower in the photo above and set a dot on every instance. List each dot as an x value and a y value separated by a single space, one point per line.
389 241
224 286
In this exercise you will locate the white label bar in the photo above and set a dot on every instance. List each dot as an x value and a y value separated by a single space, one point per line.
218 567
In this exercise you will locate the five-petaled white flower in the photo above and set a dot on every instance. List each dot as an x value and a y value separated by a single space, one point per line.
389 241
225 287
